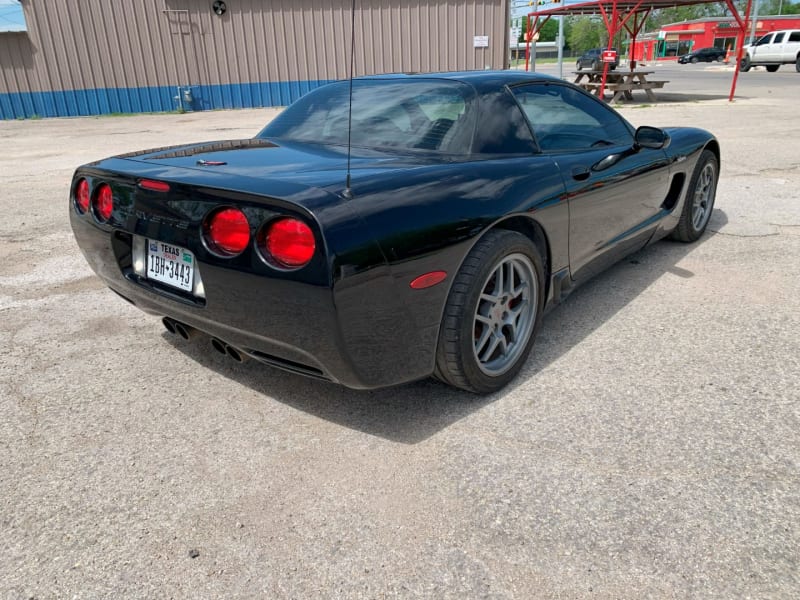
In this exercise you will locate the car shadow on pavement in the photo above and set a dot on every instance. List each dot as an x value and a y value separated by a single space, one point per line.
414 412
678 97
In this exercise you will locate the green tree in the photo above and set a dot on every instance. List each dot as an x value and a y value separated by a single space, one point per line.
774 7
585 33
548 32
699 11
685 13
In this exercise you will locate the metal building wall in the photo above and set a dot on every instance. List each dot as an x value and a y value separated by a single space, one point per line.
82 57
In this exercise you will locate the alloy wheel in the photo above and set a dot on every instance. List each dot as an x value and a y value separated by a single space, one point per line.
703 201
505 314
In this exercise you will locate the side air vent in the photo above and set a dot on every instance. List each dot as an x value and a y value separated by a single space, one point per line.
675 189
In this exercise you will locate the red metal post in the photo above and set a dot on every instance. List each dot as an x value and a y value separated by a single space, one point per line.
739 41
528 37
637 27
612 27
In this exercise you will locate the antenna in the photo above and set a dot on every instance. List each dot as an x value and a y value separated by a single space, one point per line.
348 192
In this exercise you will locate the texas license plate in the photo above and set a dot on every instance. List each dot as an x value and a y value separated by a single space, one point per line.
171 265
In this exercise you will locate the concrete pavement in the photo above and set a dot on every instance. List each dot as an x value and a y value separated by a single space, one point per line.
649 448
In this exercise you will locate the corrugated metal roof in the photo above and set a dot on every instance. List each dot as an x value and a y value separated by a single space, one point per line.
591 7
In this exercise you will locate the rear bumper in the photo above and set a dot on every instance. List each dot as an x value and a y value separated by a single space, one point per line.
352 334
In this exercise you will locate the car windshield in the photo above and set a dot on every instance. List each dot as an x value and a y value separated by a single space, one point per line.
426 114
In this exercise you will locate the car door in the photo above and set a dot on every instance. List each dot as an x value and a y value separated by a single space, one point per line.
786 50
614 192
775 48
791 47
761 49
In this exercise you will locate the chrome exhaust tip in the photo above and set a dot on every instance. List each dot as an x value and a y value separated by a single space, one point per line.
236 354
169 325
185 331
218 345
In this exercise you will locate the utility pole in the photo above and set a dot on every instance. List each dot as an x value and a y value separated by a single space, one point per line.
560 47
755 22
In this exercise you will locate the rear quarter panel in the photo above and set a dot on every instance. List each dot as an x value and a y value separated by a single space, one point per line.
428 219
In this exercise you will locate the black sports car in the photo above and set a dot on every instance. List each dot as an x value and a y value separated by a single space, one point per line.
703 55
467 204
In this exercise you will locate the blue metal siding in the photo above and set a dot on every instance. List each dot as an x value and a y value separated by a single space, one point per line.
104 101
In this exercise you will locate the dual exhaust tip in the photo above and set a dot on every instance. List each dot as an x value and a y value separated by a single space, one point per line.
228 350
179 329
187 332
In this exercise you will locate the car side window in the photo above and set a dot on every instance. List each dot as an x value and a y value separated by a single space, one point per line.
794 36
501 127
764 40
778 38
564 118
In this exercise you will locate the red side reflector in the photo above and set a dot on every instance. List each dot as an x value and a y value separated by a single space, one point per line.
428 280
155 186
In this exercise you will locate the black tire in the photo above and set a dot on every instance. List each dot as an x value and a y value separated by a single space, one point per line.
474 325
745 65
797 64
694 60
699 202
578 66
720 57
595 65
772 68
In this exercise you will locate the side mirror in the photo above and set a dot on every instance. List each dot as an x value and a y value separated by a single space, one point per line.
650 137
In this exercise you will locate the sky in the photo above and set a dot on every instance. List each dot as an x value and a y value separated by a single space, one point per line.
11 17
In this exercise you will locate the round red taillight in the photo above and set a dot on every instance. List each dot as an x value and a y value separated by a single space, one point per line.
82 196
103 202
227 232
289 242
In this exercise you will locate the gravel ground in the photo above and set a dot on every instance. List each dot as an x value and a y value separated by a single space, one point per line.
648 449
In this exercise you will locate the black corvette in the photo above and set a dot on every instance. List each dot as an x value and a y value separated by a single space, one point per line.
467 205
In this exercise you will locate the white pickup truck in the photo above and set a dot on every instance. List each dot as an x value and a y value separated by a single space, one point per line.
773 50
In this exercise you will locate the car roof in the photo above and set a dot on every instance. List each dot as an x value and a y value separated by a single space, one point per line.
481 80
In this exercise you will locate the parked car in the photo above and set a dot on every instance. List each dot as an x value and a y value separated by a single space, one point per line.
703 55
593 59
773 50
424 232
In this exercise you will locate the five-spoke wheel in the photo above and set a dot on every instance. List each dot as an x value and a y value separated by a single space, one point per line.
704 191
699 202
492 314
505 314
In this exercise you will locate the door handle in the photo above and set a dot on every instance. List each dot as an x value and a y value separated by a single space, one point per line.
581 173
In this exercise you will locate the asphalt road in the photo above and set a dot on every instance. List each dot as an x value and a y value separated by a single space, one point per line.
650 446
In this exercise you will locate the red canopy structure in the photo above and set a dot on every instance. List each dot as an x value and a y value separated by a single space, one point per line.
629 15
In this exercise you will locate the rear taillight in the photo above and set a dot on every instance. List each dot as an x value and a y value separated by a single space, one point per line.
288 242
103 202
82 196
227 232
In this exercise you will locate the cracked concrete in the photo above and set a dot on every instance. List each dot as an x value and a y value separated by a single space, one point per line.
649 448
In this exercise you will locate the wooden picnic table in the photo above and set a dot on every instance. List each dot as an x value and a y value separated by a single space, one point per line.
620 83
